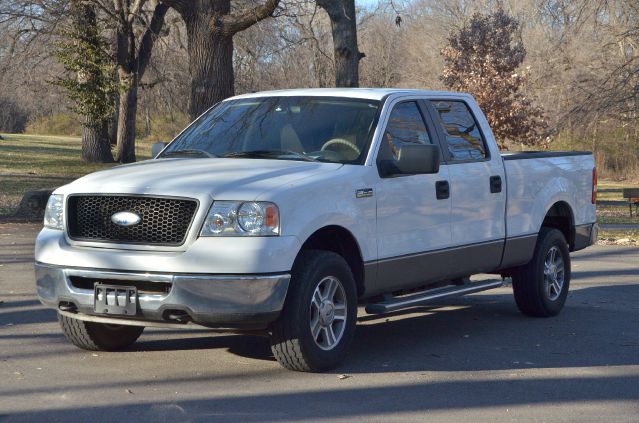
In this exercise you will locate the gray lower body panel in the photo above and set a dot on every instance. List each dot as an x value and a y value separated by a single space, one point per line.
585 236
415 270
251 301
518 250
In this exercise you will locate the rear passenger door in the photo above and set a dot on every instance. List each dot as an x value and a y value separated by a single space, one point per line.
476 188
411 220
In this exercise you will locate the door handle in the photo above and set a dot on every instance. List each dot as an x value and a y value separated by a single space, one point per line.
442 190
495 184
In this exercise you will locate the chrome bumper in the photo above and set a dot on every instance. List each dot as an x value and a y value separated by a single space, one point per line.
250 302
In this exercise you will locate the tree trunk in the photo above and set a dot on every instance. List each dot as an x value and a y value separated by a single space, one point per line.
132 63
344 31
127 112
210 27
113 123
210 64
96 147
95 144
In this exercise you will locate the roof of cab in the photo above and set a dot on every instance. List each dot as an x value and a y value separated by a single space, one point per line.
365 93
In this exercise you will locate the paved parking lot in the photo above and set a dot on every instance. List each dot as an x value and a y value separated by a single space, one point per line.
475 358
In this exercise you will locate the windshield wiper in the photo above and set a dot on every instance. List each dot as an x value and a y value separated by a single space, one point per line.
189 152
271 153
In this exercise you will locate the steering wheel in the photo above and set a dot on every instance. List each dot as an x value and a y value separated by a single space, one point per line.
352 151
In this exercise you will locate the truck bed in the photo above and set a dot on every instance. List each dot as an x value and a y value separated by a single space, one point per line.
537 179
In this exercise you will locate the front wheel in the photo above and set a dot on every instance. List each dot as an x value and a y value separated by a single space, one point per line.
94 336
317 323
541 286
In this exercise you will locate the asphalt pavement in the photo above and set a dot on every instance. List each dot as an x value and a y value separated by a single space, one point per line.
474 358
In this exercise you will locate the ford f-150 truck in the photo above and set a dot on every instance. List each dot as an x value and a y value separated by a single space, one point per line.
284 211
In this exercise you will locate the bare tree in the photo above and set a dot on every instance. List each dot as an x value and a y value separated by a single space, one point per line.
211 26
27 32
133 52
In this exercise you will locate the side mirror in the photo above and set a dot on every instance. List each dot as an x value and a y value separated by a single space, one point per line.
157 148
414 159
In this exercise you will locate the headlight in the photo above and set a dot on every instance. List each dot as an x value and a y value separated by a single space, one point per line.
53 214
237 218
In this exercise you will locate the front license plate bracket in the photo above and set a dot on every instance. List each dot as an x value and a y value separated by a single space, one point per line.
112 299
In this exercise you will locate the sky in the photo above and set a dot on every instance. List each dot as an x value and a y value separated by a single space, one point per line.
366 3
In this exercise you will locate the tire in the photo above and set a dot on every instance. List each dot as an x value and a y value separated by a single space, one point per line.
538 294
309 302
98 336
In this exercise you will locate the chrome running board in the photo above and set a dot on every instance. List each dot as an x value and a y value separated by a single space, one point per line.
425 297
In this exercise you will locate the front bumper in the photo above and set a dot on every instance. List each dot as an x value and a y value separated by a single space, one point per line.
244 302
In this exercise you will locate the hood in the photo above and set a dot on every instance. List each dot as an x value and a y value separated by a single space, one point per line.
230 179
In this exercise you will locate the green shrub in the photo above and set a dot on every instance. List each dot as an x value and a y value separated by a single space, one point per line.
57 124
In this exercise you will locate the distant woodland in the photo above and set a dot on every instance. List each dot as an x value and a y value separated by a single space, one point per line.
551 74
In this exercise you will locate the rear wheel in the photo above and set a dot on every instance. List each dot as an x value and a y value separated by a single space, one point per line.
541 286
317 323
98 336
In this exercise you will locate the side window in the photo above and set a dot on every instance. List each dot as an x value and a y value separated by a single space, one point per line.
462 132
405 126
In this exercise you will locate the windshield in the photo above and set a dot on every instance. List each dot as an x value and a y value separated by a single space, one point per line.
329 129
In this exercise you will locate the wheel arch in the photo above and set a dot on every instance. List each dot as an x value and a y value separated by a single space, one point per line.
341 241
561 216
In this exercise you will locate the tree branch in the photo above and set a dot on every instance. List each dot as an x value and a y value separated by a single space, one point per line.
180 6
229 25
149 37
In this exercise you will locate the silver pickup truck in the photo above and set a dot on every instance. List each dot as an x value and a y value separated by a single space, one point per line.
283 211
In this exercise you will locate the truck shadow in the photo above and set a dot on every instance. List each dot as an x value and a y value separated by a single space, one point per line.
480 332
248 346
599 326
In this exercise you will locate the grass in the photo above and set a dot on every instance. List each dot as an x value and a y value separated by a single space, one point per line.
29 162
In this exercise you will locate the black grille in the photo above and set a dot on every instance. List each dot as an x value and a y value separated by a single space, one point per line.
163 220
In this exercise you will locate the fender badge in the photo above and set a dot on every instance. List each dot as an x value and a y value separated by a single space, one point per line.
364 193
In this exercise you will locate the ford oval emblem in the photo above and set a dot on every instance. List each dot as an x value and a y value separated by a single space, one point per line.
125 218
